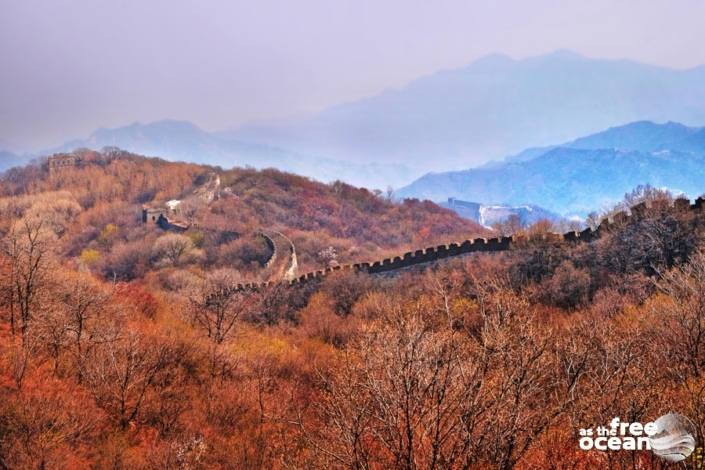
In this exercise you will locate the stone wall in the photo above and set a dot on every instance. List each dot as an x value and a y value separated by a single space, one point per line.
478 245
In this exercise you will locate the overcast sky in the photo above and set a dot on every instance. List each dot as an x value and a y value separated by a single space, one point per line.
70 66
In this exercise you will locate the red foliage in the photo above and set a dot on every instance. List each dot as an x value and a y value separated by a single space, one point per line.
138 298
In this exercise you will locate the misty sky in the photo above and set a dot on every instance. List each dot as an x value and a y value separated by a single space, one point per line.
71 66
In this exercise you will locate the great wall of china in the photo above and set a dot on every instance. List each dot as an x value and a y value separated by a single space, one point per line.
280 266
284 271
436 253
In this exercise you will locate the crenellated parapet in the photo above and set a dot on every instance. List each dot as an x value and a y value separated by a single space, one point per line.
480 245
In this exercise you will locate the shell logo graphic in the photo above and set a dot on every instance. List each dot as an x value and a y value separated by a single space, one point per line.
674 439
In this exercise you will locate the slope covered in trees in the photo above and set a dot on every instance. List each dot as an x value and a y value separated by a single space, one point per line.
101 223
124 346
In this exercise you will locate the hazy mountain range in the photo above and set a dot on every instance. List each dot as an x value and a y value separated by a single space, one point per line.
182 140
494 107
582 175
454 120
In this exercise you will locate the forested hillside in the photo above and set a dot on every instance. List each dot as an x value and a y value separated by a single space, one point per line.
100 203
125 345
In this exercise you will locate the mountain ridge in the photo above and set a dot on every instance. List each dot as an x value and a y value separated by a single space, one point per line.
493 107
182 140
449 120
603 166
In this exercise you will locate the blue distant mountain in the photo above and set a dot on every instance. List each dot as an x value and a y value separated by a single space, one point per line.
646 136
584 174
450 120
491 108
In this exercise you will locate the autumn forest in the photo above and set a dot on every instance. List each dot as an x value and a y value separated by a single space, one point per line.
123 344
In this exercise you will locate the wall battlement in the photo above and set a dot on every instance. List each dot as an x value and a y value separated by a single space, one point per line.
159 217
436 253
58 162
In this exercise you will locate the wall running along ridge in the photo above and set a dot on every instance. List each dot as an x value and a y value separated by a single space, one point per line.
272 246
286 268
435 253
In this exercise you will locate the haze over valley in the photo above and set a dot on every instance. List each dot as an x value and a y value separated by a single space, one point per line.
470 117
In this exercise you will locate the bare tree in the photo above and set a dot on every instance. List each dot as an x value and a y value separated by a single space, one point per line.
389 193
419 392
217 302
27 247
527 390
20 355
684 313
593 220
52 330
407 390
38 428
512 225
81 300
172 248
121 374
189 209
